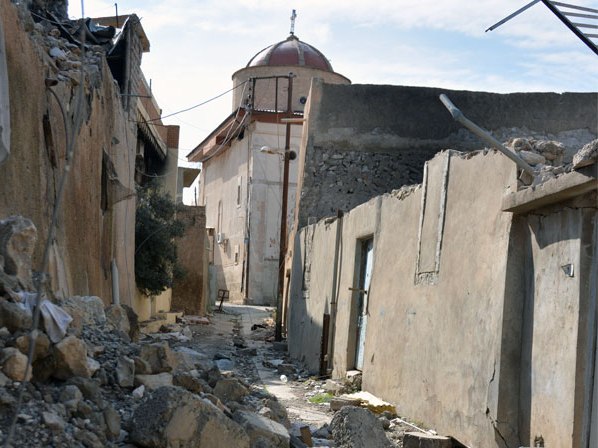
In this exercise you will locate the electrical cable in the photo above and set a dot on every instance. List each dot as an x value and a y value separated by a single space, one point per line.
197 105
40 280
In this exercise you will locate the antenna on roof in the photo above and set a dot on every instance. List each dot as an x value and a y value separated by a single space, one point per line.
293 17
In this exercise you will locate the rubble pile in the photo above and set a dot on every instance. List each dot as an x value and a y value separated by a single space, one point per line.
549 157
60 38
99 384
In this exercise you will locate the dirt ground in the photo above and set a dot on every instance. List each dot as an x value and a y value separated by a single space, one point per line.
237 330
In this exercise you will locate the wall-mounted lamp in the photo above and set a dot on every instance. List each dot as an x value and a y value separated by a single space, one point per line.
280 152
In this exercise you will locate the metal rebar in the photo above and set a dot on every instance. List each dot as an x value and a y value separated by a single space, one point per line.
484 135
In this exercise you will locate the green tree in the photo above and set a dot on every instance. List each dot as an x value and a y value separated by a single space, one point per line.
156 227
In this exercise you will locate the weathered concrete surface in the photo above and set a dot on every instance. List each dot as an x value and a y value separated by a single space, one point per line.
188 292
559 327
241 190
364 140
553 191
491 342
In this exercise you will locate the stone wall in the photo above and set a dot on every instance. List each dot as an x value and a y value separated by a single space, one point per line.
363 140
188 292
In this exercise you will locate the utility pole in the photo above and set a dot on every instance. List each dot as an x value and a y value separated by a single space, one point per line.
283 213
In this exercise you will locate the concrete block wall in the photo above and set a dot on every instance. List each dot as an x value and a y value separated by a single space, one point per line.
188 292
494 347
363 140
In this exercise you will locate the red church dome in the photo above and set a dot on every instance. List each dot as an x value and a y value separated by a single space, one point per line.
291 52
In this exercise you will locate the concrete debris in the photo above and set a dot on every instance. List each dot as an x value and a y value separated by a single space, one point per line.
423 440
371 402
172 416
354 427
337 403
230 389
192 382
71 359
90 308
125 372
262 431
538 152
17 242
13 317
159 357
196 320
587 155
118 318
14 364
138 392
152 382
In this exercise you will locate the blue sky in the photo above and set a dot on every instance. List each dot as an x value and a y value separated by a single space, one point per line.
197 45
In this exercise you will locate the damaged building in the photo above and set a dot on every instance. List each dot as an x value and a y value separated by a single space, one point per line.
469 298
93 99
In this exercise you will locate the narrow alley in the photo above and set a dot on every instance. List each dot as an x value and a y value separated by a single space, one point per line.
384 239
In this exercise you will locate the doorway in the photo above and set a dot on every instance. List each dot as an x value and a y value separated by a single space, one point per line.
365 260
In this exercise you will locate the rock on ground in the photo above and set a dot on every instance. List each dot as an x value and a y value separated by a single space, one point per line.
71 359
262 431
13 317
159 357
152 382
174 417
354 427
14 364
230 389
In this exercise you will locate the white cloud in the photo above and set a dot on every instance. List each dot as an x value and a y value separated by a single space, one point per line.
197 45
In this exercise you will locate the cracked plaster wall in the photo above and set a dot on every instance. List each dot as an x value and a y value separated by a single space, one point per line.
87 237
498 349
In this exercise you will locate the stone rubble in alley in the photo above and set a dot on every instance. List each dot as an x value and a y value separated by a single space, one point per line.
105 384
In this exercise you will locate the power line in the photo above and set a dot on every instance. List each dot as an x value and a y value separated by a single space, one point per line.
198 105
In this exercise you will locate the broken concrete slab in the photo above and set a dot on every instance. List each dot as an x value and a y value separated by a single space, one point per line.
14 364
71 359
230 389
175 417
358 428
587 155
423 440
125 372
371 402
152 382
159 356
262 431
90 308
337 403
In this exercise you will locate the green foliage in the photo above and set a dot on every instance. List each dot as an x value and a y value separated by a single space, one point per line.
156 227
321 398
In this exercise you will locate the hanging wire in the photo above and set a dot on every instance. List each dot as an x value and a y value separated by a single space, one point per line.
197 105
77 118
